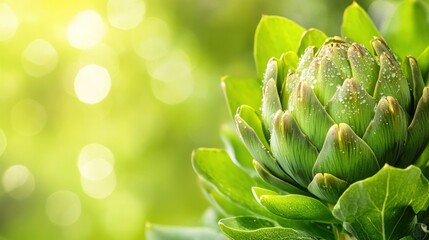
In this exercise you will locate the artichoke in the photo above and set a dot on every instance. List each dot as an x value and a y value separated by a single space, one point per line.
332 137
337 118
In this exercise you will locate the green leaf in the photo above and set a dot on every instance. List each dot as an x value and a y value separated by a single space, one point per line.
220 202
159 232
274 36
387 132
412 72
418 136
241 92
327 187
293 151
307 110
311 37
270 103
407 30
358 26
384 205
277 182
364 67
249 126
351 104
215 167
345 155
252 228
391 80
294 206
235 148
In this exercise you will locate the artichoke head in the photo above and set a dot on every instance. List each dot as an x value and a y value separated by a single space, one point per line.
335 115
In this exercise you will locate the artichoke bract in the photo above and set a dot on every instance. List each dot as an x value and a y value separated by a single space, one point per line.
336 117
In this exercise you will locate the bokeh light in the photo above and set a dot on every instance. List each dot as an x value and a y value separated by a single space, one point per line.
99 188
39 58
18 182
125 14
8 22
172 79
92 84
63 207
86 30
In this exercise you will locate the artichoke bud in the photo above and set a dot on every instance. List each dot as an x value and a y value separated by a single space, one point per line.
271 71
364 67
387 132
351 104
270 104
327 187
305 59
415 79
392 82
345 155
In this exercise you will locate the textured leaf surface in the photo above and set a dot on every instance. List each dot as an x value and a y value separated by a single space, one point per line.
295 206
384 206
358 26
251 228
158 232
274 36
215 166
241 92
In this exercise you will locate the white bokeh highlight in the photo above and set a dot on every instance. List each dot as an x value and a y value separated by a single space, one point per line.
63 208
9 22
18 182
39 58
125 14
86 30
92 84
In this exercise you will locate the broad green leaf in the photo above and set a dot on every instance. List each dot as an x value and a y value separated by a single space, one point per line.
215 167
294 206
241 92
159 232
235 148
345 155
311 37
358 26
220 202
384 205
407 30
274 36
252 228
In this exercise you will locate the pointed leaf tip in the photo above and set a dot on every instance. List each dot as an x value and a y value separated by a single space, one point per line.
358 26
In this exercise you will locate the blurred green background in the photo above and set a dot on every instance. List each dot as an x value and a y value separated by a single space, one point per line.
103 101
